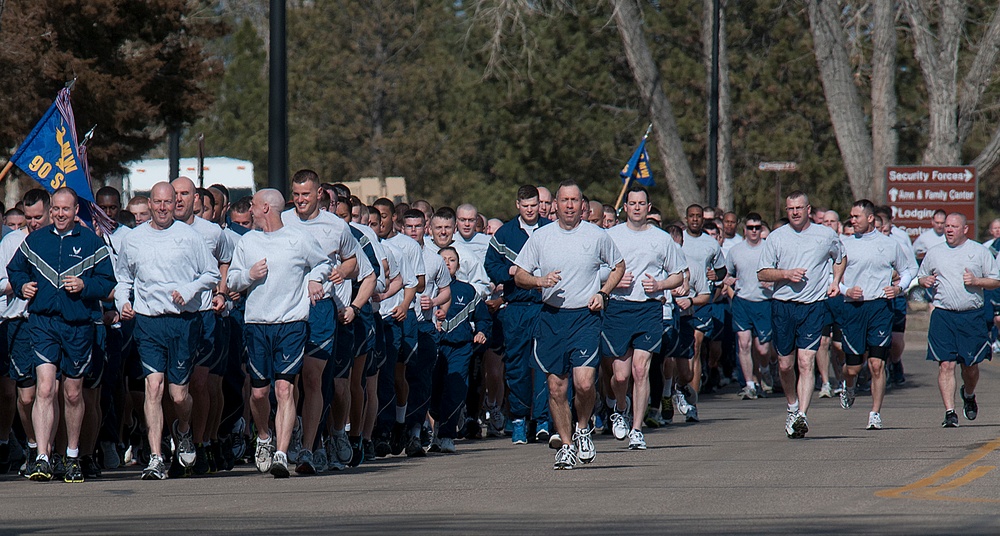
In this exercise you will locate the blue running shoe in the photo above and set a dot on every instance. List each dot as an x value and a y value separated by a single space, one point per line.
519 433
542 432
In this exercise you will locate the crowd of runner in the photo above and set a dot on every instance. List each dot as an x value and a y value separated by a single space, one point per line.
316 333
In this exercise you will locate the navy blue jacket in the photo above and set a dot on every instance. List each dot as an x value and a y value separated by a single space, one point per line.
46 258
505 244
466 307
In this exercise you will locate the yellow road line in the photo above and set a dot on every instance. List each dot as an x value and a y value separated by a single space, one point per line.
947 472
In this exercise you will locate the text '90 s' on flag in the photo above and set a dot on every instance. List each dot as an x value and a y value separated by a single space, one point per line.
637 167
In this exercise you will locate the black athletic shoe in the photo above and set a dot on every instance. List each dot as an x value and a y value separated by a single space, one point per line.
40 471
368 447
226 451
398 440
29 462
970 408
472 429
74 472
382 448
414 449
176 470
215 461
200 466
950 420
89 467
357 454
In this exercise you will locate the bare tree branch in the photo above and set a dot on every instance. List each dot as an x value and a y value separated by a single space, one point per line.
978 78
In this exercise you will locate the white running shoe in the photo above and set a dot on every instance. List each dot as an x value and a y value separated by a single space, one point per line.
636 441
874 421
847 397
185 446
619 427
748 393
584 445
279 465
789 420
565 458
826 391
264 455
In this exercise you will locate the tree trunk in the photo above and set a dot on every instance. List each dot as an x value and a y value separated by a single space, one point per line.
680 179
842 96
885 139
938 58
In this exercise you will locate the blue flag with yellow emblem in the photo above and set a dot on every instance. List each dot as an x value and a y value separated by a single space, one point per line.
637 167
51 155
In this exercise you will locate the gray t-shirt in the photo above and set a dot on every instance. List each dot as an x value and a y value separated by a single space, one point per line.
577 253
741 263
437 277
815 248
333 235
949 265
926 241
871 260
652 252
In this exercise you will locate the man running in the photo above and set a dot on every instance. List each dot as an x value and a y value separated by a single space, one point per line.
567 258
797 259
751 306
633 325
283 270
957 272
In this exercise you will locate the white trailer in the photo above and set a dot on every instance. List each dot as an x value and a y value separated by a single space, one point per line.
237 175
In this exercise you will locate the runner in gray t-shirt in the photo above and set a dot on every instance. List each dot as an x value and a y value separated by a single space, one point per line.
564 260
957 272
797 259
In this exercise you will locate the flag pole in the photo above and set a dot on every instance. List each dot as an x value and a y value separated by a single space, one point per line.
6 170
628 182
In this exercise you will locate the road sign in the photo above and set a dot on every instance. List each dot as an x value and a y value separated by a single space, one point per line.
778 166
916 192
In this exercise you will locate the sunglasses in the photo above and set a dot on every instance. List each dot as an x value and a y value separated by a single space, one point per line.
753 227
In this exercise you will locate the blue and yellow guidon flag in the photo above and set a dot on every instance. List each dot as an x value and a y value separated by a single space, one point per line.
637 167
50 154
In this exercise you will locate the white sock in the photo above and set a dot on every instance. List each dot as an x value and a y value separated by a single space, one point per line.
792 408
401 413
72 453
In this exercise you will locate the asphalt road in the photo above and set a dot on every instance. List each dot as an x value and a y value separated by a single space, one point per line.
735 472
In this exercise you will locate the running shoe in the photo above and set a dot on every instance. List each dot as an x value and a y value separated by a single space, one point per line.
382 448
156 470
368 446
692 414
341 448
398 439
565 458
542 431
765 383
239 443
319 460
495 421
950 420
74 473
666 411
472 429
519 436
800 426
89 467
264 453
29 462
826 391
874 421
555 441
176 470
58 466
185 446
599 425
619 427
789 420
748 393
200 466
414 449
279 465
447 445
357 455
41 471
305 466
636 441
847 397
969 406
584 445
652 418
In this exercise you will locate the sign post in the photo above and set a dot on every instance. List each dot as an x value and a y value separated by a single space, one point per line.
777 168
916 192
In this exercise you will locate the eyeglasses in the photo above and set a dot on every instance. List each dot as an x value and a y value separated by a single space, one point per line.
753 227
